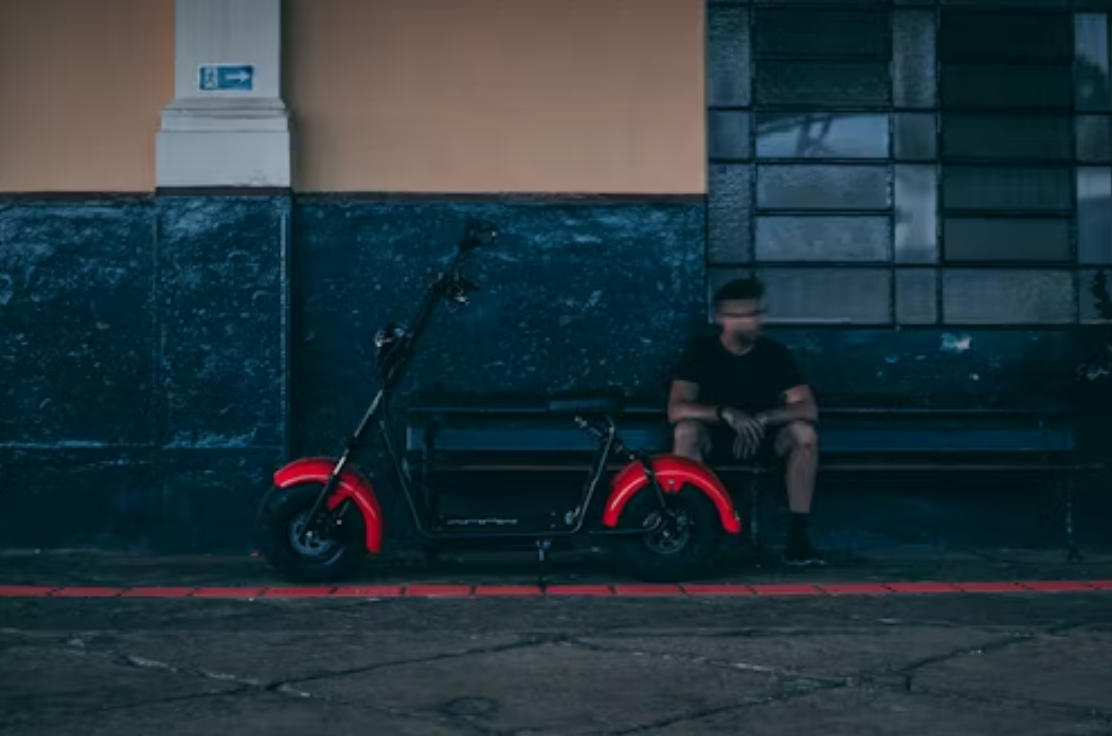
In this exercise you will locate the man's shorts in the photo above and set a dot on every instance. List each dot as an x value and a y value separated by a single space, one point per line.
722 446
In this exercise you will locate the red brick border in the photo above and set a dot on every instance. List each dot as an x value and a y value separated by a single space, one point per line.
442 590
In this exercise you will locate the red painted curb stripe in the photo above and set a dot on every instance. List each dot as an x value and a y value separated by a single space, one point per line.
856 589
1056 586
990 587
786 589
922 588
368 591
484 591
423 590
25 591
297 592
156 592
724 589
648 590
227 592
584 590
437 591
87 592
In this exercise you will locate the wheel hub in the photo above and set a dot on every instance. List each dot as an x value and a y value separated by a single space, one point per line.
313 545
673 534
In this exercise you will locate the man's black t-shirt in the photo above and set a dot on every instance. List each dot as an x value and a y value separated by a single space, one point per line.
753 382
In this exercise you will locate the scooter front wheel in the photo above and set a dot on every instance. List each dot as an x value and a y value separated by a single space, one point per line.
308 558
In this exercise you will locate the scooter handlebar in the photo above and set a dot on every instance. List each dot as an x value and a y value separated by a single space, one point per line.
478 233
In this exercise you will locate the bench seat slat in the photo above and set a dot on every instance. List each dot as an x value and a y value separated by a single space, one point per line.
837 440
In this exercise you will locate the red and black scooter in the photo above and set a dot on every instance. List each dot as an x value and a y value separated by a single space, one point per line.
666 515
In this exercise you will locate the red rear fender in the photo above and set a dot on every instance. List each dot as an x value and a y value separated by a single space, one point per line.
674 473
353 485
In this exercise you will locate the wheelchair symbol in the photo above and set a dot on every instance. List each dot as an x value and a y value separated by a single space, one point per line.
209 78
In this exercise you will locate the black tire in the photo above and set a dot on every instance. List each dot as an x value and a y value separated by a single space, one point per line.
689 550
335 558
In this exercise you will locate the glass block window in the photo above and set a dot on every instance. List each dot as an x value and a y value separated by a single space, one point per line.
915 162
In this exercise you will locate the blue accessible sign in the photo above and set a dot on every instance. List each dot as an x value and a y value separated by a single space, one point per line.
226 77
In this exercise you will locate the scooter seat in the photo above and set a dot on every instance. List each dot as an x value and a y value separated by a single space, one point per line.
580 403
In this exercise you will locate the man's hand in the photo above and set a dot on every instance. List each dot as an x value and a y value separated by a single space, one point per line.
749 429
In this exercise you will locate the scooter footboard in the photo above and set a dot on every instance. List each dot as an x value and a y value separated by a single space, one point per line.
673 473
352 485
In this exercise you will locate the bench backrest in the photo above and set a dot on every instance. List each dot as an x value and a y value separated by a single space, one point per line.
844 431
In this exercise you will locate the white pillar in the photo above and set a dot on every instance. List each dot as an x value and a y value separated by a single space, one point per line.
228 125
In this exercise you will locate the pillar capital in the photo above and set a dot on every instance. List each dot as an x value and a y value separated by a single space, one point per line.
228 125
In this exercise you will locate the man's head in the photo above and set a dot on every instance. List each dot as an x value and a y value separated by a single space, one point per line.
738 309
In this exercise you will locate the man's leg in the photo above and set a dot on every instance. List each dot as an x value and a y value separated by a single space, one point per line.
691 439
798 443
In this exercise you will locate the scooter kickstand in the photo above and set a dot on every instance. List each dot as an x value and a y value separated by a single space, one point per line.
543 545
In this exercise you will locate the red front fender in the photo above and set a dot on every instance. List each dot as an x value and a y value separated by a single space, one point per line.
353 485
673 473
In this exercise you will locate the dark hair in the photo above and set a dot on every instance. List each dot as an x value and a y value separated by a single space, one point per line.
742 289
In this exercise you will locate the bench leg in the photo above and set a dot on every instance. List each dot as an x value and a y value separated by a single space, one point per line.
1073 553
754 515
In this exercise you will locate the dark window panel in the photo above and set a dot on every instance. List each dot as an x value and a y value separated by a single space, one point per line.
1035 137
1090 313
1094 214
916 136
1092 5
728 57
823 238
1008 297
808 187
913 2
728 134
916 213
1092 90
800 33
1094 138
822 83
839 3
828 295
1002 37
1003 241
728 214
916 296
1008 4
1006 188
913 67
822 135
990 86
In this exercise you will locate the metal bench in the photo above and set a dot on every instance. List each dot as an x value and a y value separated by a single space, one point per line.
464 434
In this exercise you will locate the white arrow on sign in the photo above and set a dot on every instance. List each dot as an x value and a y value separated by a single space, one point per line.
239 77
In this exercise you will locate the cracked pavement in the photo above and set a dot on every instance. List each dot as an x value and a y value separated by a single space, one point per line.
1020 664
1016 664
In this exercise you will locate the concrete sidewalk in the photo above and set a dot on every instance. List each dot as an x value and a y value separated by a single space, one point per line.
1019 664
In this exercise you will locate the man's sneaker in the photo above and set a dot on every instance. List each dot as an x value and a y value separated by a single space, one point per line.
802 555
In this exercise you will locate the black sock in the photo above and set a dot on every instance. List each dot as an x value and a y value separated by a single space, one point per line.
797 529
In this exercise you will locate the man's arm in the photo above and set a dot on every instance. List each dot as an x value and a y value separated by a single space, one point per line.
683 404
799 405
797 400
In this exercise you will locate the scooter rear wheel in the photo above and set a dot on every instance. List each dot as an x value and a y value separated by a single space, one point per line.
684 546
282 518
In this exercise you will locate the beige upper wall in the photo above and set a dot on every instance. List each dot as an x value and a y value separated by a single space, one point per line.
387 95
497 95
82 84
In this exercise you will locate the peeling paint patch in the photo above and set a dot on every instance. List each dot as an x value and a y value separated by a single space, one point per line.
952 343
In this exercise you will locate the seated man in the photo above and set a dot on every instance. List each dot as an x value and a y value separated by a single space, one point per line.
742 392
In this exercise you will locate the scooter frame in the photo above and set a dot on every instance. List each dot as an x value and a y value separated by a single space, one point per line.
344 484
